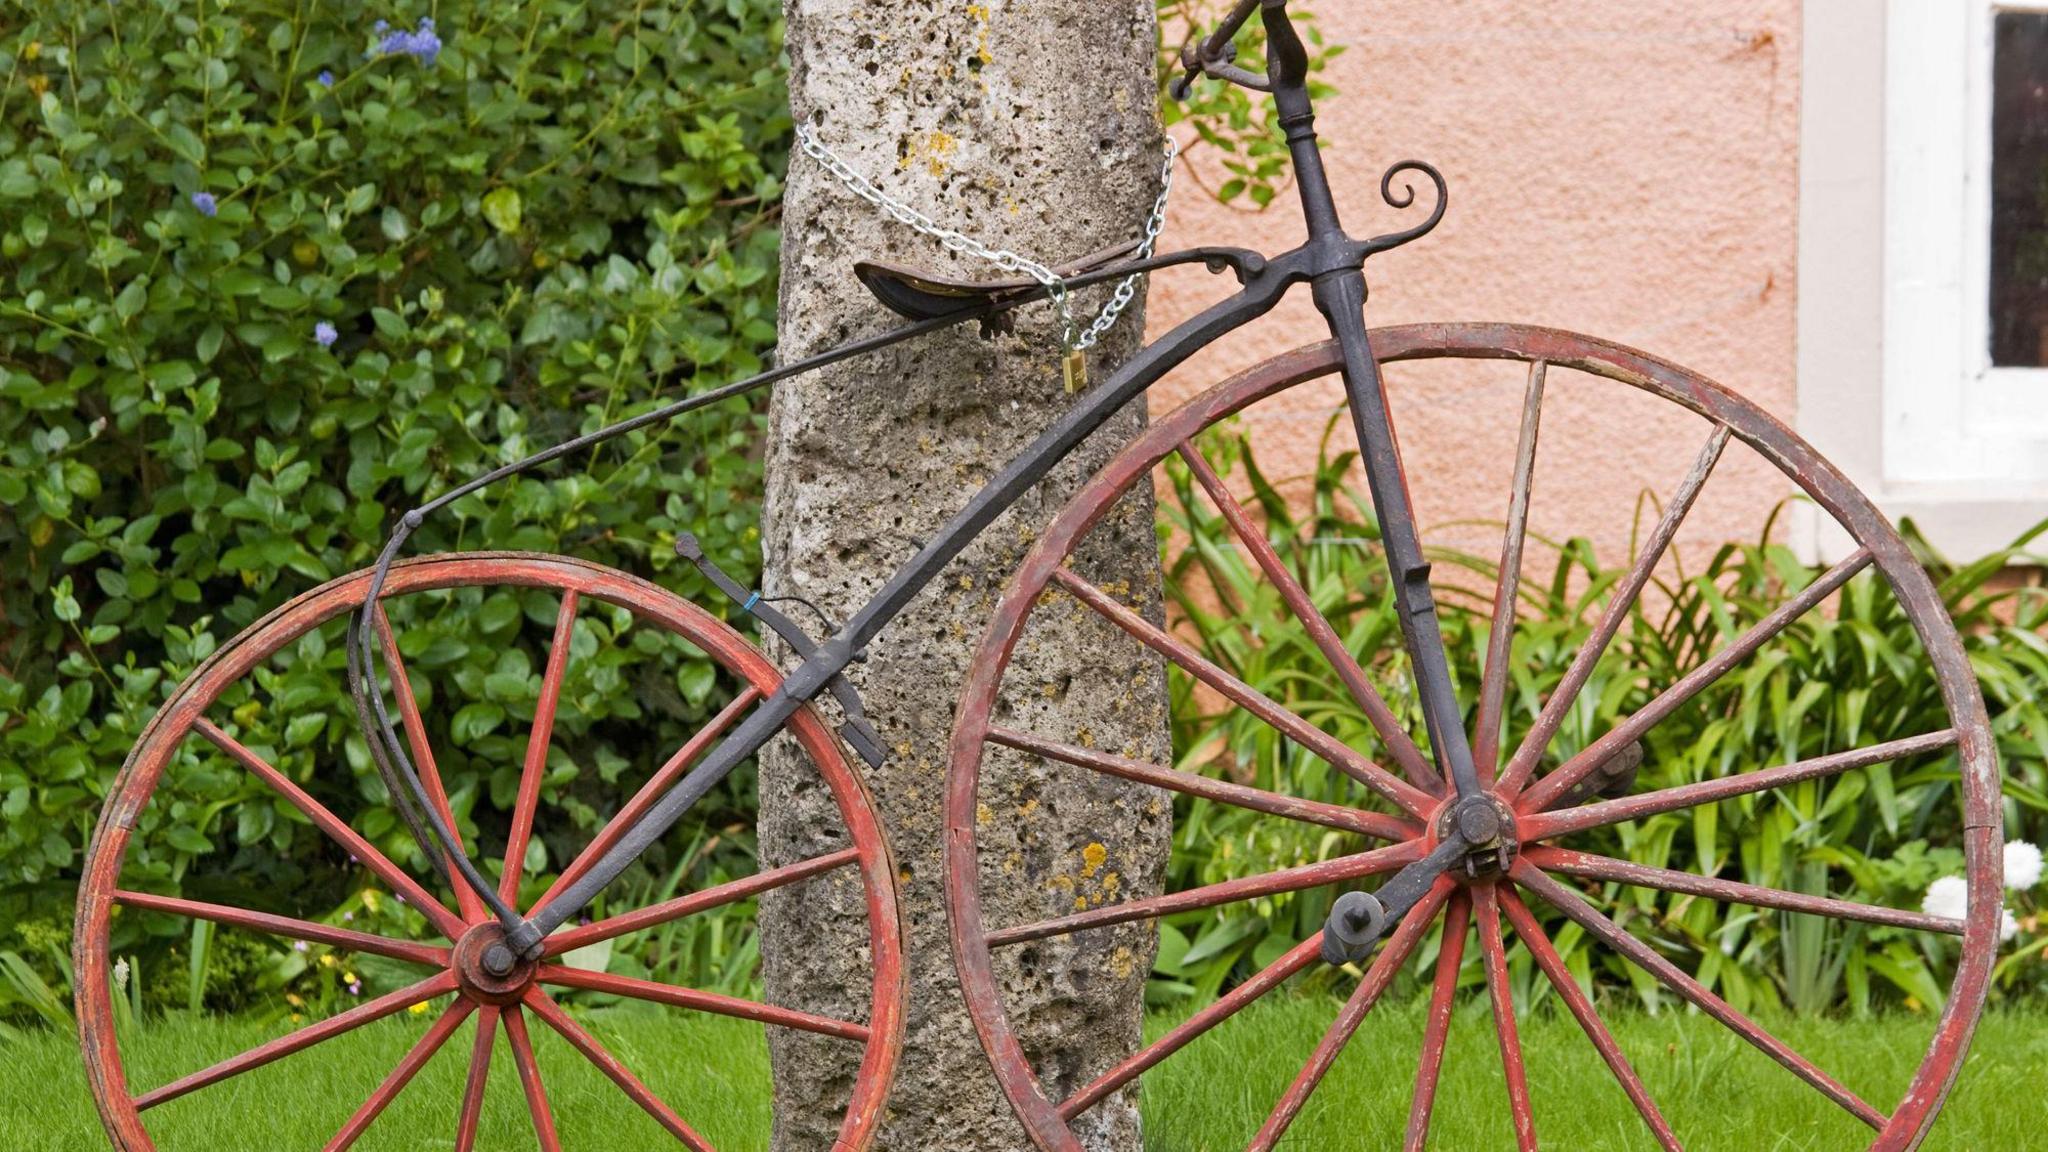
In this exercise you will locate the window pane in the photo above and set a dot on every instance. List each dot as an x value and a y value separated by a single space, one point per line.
2019 190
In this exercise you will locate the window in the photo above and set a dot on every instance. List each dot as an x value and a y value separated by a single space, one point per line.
1923 262
2019 192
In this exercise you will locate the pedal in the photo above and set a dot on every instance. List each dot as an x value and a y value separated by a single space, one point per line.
858 733
1613 779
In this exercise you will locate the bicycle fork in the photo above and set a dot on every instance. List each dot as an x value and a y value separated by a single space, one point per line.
1474 824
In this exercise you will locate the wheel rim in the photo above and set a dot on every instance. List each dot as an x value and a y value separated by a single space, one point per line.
1405 791
450 968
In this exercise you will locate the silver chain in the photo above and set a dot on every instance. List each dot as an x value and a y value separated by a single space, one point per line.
1003 258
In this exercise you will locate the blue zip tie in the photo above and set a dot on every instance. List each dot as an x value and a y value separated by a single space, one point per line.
748 607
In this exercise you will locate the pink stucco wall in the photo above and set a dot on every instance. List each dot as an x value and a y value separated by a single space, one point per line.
1624 168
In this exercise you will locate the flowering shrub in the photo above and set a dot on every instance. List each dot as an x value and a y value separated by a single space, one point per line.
270 272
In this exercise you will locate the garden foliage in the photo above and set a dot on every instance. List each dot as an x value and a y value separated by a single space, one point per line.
1848 676
274 273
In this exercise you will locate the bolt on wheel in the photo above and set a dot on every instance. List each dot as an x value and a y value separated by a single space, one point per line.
1357 797
252 681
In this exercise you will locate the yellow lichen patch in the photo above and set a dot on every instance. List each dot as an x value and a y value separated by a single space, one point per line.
984 815
1093 857
934 149
1123 963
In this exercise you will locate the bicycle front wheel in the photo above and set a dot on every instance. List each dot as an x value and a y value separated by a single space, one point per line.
1593 743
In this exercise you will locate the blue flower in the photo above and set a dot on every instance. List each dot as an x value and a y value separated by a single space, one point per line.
381 27
326 79
205 202
422 44
324 334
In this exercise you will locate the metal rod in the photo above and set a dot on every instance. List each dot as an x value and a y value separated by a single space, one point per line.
1377 825
1268 978
1618 606
1500 639
1377 980
1340 756
1538 943
1494 951
1549 825
1591 867
639 1093
1443 997
1692 991
1398 743
1353 867
1546 791
697 1001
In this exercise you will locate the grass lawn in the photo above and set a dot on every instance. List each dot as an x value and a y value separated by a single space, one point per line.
1717 1092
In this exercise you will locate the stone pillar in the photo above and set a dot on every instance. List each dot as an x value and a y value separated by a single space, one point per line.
1033 125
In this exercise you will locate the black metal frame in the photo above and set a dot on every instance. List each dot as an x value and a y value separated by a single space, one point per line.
1330 262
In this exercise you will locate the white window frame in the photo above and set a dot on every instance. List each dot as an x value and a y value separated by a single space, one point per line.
1896 194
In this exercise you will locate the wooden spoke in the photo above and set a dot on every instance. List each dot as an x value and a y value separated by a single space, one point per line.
1592 867
479 1078
1443 996
701 1001
289 928
1377 825
338 830
1500 640
1272 976
366 1013
1399 744
1546 825
535 770
1546 791
717 897
552 1015
1618 606
400 1076
1405 795
1692 991
1494 952
1539 946
1335 871
1393 954
466 902
529 1080
649 795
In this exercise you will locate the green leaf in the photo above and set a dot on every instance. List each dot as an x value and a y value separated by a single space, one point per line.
503 209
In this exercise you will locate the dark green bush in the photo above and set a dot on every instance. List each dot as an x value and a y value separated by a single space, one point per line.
269 276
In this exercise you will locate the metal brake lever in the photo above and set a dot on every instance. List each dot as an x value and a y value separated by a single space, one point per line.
858 733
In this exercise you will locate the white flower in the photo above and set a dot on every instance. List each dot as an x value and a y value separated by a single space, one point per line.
2022 865
1948 897
121 974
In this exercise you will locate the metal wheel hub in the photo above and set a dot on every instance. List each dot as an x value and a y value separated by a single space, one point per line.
1488 823
475 977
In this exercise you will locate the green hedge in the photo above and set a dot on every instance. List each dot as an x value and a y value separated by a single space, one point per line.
272 272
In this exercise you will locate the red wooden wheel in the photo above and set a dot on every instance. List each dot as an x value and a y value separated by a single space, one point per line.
451 981
1389 814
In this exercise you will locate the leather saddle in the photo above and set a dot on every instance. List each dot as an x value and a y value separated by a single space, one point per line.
922 295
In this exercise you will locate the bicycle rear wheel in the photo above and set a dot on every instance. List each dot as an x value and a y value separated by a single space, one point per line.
1359 798
235 711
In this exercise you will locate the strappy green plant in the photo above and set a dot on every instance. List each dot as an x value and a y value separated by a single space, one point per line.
1849 675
